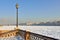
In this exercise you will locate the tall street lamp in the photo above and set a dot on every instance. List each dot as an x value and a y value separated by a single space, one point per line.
17 15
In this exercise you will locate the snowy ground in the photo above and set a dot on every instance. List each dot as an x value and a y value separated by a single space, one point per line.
51 31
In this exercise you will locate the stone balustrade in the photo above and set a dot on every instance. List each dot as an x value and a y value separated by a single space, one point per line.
25 35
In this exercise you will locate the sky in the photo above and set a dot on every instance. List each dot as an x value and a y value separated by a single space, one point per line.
29 10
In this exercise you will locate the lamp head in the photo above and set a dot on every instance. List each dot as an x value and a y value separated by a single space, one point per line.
16 6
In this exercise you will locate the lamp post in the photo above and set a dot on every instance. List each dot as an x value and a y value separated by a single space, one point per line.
17 15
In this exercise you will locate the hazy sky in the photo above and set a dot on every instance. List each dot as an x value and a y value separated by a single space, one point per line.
32 10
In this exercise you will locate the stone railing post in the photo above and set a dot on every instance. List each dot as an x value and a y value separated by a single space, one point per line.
27 35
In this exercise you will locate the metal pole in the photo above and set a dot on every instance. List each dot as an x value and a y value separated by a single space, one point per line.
17 18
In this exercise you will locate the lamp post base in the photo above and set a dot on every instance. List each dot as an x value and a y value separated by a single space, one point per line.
16 28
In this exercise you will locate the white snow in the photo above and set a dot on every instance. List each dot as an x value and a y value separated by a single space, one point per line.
50 31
